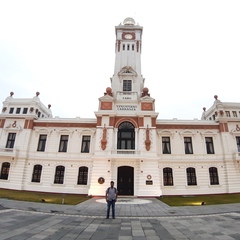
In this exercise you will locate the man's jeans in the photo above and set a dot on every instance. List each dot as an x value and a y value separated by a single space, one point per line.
109 204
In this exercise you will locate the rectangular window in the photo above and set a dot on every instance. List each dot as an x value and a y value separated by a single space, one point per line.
234 113
209 145
25 110
63 143
166 148
228 114
42 143
132 47
127 85
11 110
123 47
11 140
188 145
238 143
128 47
18 110
85 144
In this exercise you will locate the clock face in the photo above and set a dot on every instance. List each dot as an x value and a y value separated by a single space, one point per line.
128 36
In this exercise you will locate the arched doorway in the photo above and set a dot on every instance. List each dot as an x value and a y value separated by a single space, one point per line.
125 183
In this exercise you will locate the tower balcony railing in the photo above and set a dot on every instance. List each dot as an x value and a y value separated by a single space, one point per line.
126 151
127 95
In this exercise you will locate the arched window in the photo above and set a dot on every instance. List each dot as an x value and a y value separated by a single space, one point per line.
126 136
213 175
82 176
5 170
37 171
59 175
191 176
167 176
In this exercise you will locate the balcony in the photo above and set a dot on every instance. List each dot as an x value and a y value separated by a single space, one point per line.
126 152
8 152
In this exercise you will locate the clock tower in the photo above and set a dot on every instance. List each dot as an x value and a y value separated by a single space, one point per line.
127 71
127 94
126 120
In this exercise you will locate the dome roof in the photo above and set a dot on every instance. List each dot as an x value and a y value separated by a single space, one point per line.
129 21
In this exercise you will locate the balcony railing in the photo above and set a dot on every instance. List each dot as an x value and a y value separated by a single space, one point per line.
8 151
127 96
126 151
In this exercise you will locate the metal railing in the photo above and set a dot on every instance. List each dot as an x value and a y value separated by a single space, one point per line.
125 151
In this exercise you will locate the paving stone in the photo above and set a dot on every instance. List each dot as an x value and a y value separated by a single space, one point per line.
156 221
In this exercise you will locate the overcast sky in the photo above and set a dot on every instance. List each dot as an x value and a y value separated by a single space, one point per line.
66 51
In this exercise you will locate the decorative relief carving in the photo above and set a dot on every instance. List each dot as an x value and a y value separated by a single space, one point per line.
104 138
147 106
14 124
13 127
101 180
106 106
147 141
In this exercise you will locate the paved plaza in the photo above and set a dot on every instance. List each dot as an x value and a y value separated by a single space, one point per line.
136 219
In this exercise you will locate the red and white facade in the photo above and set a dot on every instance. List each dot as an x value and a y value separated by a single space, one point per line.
126 142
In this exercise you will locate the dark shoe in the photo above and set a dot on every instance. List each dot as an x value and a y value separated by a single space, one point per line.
113 217
107 217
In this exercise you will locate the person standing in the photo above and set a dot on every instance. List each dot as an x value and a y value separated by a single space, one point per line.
111 198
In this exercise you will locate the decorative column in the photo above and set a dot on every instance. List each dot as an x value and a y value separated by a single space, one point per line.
136 138
115 130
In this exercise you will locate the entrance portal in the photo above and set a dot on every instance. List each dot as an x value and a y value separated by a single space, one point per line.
125 180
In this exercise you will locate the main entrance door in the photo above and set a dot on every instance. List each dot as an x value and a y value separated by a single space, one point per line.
125 180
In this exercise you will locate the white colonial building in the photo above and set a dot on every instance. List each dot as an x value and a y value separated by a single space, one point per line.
126 143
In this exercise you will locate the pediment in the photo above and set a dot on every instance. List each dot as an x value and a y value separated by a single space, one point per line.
147 99
127 70
105 98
